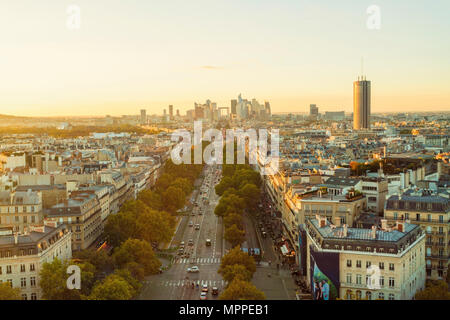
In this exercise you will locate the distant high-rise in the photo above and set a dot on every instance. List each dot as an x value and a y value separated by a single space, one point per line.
313 110
143 116
233 106
171 112
178 112
267 107
361 104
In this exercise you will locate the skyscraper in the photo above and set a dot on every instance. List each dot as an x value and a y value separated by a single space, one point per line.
361 104
143 116
171 112
233 106
313 110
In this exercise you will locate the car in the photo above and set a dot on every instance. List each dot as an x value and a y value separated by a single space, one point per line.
193 269
205 288
197 227
208 242
215 291
182 244
180 251
203 296
191 223
191 242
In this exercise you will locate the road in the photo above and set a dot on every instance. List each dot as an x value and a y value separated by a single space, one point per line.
172 284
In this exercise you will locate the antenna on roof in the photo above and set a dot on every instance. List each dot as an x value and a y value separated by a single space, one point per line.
362 68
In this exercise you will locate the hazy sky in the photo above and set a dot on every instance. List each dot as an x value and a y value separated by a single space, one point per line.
148 54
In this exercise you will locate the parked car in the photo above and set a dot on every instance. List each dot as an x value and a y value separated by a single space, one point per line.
203 296
208 242
205 288
191 223
215 291
191 242
197 227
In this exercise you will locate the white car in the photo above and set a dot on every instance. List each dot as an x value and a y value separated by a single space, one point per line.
193 269
203 296
205 288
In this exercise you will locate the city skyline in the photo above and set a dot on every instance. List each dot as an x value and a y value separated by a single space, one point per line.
291 54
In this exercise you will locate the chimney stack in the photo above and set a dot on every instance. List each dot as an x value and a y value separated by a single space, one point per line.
373 233
384 224
400 226
337 221
344 230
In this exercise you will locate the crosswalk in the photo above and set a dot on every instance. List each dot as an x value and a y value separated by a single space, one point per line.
197 261
182 283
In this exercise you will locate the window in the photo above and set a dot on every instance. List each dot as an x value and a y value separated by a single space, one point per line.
32 219
381 296
8 269
33 296
395 215
358 294
31 266
358 263
391 296
391 282
368 295
22 268
381 265
358 279
10 282
441 218
391 267
23 282
349 278
349 263
33 281
381 281
368 264
24 296
418 216
0 270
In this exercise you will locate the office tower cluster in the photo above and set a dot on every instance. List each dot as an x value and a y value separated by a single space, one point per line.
245 109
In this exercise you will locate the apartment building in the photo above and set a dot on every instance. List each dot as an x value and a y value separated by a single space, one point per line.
22 255
375 189
20 209
431 211
82 213
386 263
346 208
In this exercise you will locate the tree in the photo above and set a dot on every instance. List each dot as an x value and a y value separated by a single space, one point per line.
53 282
130 278
225 183
242 290
9 293
99 259
233 218
239 271
112 287
237 256
251 194
155 226
120 227
434 290
184 184
151 199
173 199
234 235
138 251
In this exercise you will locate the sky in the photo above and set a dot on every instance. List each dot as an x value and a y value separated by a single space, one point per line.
134 54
